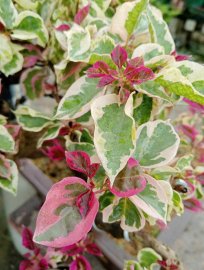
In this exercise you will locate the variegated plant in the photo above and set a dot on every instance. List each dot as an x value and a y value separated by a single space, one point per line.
115 76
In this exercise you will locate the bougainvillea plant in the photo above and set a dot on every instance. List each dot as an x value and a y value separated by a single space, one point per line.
114 74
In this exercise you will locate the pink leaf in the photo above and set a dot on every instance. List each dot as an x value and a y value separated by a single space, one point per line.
194 205
81 14
62 27
14 130
194 107
78 161
27 239
119 56
72 250
25 265
132 162
59 221
80 263
105 80
32 56
180 57
93 249
190 131
55 151
138 75
98 70
93 168
136 62
128 183
200 178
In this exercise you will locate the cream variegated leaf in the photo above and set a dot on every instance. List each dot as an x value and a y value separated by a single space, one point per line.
78 44
51 133
7 143
193 72
173 81
156 144
114 136
148 51
10 183
153 200
30 26
76 101
8 13
159 30
127 17
122 209
32 120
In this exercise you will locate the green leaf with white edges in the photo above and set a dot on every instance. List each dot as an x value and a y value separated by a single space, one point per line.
76 101
6 51
123 210
154 89
11 183
134 15
153 200
15 65
7 143
193 72
127 17
184 163
81 146
8 13
173 81
27 4
51 133
156 144
78 44
147 257
31 120
101 50
30 26
164 172
148 51
160 31
114 135
143 109
3 120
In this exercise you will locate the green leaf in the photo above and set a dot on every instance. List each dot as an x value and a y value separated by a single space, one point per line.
8 13
76 101
193 72
127 18
163 173
101 50
13 66
114 136
81 146
30 26
6 51
147 257
142 112
105 200
173 81
123 210
154 89
160 31
78 44
184 163
31 120
51 133
134 15
7 143
156 144
10 184
153 200
148 51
